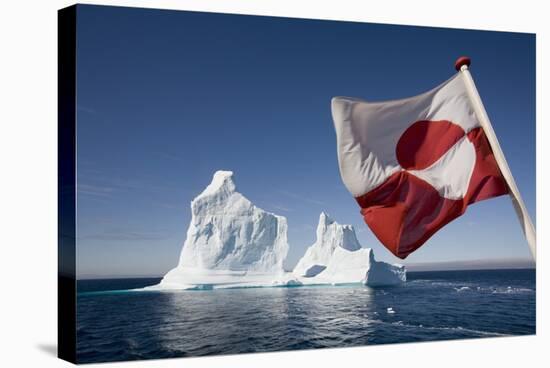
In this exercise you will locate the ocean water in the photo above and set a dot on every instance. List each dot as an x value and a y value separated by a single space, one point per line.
113 324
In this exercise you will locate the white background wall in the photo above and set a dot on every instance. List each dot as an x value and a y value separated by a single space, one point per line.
28 181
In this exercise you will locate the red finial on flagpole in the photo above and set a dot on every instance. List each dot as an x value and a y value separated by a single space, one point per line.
463 60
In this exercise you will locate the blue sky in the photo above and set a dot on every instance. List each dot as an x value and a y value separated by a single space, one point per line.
166 98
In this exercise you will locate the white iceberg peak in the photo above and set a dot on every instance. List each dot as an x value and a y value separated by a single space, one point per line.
221 182
324 220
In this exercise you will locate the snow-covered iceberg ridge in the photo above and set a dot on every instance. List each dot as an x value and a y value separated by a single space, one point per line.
232 243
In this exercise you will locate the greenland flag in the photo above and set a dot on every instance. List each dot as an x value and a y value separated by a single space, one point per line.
415 164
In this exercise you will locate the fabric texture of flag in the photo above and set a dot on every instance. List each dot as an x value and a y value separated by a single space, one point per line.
415 164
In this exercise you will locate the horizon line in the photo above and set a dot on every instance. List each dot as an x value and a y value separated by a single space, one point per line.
414 267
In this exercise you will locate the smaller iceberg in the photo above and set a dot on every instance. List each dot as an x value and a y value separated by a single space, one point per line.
336 257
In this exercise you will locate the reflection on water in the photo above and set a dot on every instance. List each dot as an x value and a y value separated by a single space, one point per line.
434 306
250 320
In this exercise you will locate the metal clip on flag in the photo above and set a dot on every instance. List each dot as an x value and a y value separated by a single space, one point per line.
415 164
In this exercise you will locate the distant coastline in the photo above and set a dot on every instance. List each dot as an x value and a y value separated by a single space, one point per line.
500 264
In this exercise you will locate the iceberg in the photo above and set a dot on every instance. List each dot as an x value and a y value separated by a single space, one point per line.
336 257
231 243
330 236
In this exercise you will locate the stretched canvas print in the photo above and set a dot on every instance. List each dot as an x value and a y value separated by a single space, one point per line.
240 184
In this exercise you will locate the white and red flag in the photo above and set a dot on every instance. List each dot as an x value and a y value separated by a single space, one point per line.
413 165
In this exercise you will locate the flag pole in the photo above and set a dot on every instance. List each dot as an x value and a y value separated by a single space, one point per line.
461 65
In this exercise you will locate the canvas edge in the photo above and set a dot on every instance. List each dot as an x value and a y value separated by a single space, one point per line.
66 189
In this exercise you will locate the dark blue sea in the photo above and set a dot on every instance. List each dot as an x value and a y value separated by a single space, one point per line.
117 325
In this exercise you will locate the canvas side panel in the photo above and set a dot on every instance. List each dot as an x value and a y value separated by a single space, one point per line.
66 299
